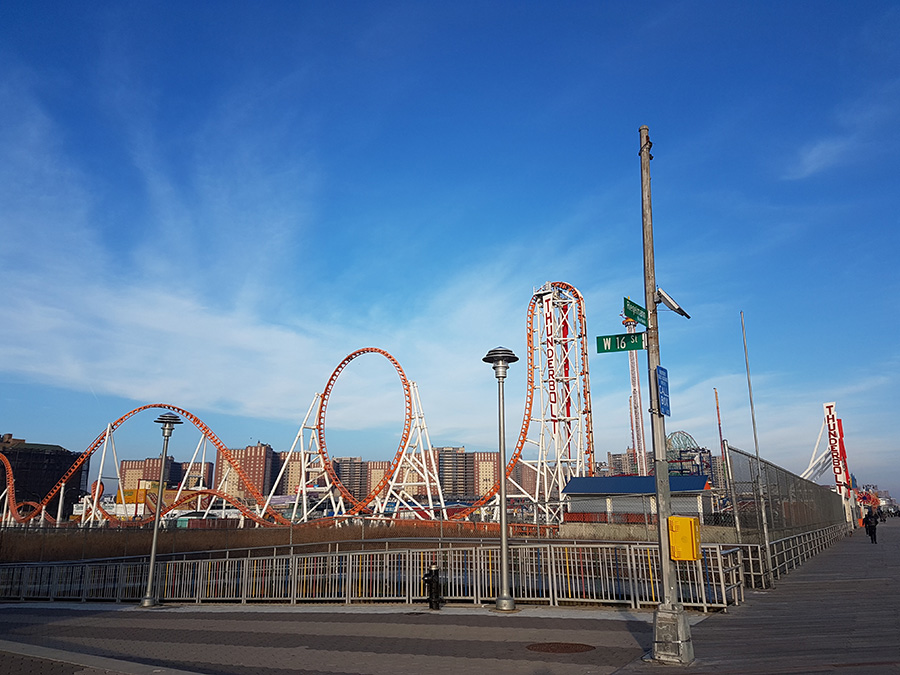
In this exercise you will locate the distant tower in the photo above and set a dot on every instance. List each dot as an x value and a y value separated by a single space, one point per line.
637 418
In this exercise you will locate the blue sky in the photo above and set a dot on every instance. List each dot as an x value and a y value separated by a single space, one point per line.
212 204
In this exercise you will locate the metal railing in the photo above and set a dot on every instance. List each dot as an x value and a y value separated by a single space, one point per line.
549 573
787 553
792 552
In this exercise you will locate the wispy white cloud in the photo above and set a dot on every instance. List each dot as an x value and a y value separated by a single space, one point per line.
862 124
153 334
821 155
222 280
44 199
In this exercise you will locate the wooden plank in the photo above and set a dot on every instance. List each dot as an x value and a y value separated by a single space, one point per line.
838 612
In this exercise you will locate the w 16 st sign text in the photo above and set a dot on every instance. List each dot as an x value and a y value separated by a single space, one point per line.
620 343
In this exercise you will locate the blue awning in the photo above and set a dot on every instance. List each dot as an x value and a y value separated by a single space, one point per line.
633 485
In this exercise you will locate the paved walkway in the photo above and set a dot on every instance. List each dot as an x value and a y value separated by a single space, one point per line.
311 640
839 613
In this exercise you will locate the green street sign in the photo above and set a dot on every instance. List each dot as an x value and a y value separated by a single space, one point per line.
635 311
620 343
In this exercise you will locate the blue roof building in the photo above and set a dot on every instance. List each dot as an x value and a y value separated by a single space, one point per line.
633 485
632 499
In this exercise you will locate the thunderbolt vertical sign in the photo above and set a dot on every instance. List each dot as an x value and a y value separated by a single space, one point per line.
552 392
841 479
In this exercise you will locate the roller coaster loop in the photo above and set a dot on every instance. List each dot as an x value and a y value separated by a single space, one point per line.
357 505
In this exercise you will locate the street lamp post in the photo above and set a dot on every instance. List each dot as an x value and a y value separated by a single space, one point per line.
500 358
168 422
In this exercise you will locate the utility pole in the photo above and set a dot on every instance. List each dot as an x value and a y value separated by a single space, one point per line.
761 496
729 473
671 632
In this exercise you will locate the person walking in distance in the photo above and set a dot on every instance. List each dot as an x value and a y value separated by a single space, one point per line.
871 523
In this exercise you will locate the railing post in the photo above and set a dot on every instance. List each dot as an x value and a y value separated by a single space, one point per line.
702 581
245 577
348 581
54 580
23 584
119 573
85 577
407 575
551 564
723 583
632 575
294 574
477 568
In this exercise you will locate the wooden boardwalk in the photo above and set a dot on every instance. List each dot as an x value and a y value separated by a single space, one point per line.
838 613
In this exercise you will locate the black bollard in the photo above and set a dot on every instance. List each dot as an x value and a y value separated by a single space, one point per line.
432 579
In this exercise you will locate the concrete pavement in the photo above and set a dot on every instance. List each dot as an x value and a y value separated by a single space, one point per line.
314 640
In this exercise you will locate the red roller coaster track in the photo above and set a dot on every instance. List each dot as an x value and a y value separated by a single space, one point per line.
197 422
272 517
13 506
529 396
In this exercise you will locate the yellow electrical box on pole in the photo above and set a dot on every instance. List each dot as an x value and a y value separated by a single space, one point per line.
684 538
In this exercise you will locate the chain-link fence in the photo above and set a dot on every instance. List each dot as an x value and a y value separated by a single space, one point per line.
767 495
771 504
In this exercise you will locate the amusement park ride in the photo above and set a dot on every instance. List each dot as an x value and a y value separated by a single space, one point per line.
554 444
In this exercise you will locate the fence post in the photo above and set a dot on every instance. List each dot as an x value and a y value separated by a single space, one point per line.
551 569
407 575
701 578
348 583
477 567
54 580
120 573
85 577
245 577
25 579
294 573
632 575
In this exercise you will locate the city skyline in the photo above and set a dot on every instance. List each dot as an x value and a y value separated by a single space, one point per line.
211 207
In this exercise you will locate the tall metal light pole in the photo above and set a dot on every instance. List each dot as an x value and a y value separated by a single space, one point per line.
761 497
671 632
168 421
501 357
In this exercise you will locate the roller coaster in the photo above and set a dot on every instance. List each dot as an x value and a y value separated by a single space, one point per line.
554 444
